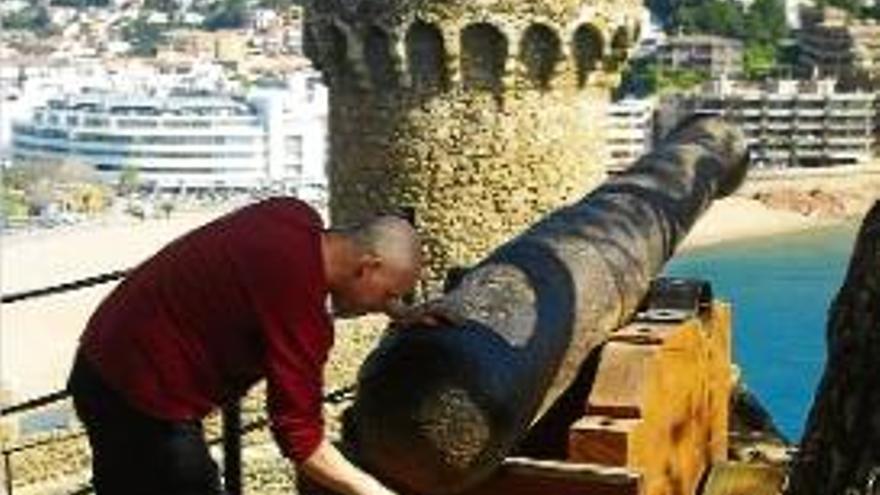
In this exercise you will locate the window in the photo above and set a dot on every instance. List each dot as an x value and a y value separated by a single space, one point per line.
96 122
134 123
293 149
187 123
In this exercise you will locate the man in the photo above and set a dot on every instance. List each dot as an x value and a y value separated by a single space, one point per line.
237 300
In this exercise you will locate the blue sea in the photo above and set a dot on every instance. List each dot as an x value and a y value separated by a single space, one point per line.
781 288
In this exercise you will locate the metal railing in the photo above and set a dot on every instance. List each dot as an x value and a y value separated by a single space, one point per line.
65 287
232 427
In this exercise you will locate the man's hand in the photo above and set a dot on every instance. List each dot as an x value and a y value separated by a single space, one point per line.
330 469
433 313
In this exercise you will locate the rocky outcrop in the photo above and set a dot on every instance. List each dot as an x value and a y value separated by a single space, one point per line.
815 202
840 451
836 194
754 436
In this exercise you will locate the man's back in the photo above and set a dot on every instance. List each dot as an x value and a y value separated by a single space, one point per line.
186 330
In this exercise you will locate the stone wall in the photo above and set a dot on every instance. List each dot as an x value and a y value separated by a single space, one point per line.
481 116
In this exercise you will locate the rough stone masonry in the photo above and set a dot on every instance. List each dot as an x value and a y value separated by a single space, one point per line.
481 116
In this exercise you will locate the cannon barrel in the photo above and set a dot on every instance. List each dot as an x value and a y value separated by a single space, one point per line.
437 409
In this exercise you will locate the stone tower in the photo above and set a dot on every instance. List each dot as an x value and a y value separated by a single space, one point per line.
481 115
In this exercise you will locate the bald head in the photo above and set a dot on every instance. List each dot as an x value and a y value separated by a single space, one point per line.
371 265
390 238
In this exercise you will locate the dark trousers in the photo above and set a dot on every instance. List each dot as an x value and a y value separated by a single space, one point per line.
135 454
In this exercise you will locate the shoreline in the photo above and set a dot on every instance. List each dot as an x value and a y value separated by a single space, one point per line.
779 202
740 218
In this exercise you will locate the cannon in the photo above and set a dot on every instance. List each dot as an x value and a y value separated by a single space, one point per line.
438 409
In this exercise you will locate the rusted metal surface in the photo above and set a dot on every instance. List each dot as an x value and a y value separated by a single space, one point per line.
438 409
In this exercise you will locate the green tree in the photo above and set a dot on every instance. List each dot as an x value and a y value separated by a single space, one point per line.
638 78
716 17
645 78
723 18
761 27
36 184
167 206
226 14
33 18
167 6
14 204
759 60
678 79
80 3
765 22
129 180
279 5
144 37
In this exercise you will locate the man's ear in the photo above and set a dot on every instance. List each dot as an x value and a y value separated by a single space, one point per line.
373 261
368 262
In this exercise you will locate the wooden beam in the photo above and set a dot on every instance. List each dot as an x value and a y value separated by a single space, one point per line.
659 404
521 476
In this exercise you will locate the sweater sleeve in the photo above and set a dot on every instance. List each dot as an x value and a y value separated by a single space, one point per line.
295 356
283 271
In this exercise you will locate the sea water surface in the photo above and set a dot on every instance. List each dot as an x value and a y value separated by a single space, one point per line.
781 288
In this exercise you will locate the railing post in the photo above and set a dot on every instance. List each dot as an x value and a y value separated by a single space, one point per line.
232 448
7 471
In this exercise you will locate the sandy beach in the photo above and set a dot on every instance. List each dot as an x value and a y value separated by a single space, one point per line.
39 337
739 217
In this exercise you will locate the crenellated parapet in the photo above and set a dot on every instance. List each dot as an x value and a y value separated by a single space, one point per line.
479 115
476 46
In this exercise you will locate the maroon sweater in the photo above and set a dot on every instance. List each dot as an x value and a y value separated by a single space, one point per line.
239 299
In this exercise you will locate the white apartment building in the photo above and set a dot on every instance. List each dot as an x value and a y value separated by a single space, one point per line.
790 123
651 35
793 10
263 19
713 55
174 142
270 139
629 132
834 43
27 83
295 119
